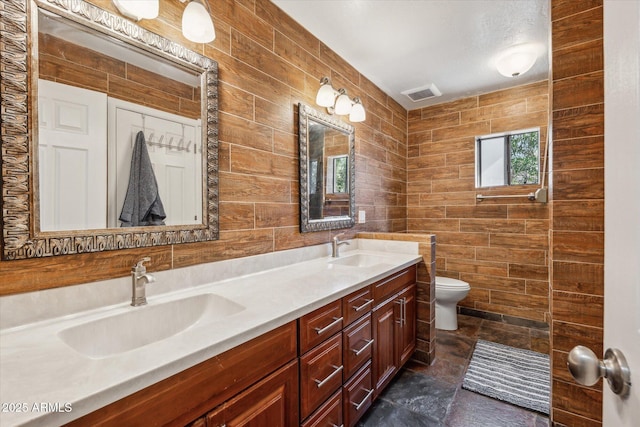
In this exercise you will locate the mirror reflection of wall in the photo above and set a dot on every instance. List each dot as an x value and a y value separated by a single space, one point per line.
316 166
94 96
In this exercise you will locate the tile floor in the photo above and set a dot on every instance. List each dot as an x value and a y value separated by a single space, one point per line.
432 395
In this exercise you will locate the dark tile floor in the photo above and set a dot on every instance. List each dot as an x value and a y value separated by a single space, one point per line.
432 395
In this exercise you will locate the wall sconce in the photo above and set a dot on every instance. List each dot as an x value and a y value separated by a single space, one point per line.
197 25
338 102
517 60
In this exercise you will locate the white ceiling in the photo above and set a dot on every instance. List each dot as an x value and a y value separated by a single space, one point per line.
405 44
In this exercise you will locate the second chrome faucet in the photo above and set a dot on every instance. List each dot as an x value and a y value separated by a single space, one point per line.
139 280
335 245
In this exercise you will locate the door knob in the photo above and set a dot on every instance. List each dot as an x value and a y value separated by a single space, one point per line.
586 369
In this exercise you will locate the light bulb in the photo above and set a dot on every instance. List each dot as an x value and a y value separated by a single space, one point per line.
326 95
197 25
357 112
343 104
138 9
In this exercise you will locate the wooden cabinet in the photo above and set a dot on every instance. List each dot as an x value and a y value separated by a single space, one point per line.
394 335
190 394
272 402
385 363
406 344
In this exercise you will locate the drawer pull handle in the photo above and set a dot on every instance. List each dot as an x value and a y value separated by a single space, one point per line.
336 320
338 369
367 345
360 308
335 425
359 405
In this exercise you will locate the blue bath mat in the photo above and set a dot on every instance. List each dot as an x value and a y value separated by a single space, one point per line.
510 374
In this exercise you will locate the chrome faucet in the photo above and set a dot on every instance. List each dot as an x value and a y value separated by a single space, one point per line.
335 245
139 279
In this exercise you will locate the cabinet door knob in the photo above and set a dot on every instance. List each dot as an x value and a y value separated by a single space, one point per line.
587 369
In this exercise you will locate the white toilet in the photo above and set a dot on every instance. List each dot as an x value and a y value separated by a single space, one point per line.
448 293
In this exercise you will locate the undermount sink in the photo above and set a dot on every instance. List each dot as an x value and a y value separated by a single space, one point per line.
140 326
360 260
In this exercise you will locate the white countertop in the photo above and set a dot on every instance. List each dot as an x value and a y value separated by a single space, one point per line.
37 368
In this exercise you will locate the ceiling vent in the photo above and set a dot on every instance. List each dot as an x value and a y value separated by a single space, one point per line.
422 93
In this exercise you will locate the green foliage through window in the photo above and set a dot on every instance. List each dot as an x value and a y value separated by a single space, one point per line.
523 158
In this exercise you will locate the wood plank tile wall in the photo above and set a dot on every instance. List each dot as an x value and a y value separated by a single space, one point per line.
577 249
499 246
267 64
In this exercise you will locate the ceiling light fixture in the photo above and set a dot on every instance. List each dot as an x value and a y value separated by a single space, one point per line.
197 25
517 60
338 102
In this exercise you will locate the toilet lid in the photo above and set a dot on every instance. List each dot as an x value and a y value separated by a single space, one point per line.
448 283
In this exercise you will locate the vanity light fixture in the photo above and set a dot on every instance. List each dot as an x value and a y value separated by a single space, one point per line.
138 9
338 102
197 25
517 60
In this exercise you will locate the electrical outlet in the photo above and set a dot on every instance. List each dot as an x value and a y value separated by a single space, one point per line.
362 217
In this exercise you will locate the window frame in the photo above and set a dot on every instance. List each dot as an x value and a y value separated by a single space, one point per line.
507 155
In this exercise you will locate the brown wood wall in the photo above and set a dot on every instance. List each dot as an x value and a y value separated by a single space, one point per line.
267 64
499 246
577 285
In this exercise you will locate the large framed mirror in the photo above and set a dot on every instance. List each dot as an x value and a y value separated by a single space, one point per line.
327 171
109 133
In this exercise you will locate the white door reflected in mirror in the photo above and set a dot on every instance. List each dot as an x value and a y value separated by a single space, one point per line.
80 128
72 123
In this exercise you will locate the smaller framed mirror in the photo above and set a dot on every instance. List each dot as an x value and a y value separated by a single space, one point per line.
327 171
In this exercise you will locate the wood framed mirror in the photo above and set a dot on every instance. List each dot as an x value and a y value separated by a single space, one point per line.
327 171
46 42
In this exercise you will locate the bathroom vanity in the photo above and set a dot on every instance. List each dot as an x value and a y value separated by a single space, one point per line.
324 368
308 343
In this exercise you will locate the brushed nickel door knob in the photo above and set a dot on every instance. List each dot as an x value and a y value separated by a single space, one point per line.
587 369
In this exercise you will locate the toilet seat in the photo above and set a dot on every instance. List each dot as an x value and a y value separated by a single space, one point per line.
447 283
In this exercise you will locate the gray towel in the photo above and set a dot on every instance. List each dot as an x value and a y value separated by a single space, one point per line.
142 204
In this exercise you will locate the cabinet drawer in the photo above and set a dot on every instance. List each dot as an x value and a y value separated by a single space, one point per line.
320 374
329 414
390 285
357 304
357 345
357 395
319 325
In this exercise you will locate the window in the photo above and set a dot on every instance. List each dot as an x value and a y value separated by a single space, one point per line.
337 174
508 159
